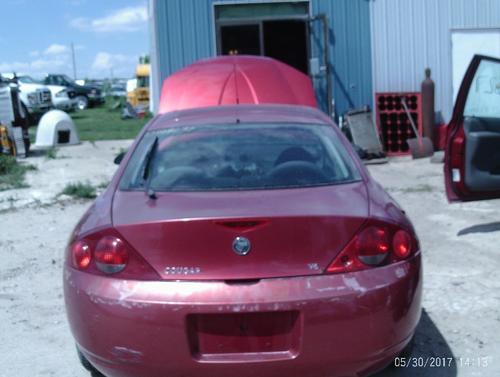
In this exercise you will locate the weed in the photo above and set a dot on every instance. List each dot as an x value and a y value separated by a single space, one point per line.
418 188
80 190
12 173
51 153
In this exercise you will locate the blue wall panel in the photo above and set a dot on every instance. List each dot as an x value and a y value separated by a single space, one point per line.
185 32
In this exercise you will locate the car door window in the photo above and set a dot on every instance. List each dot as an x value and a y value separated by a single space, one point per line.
483 99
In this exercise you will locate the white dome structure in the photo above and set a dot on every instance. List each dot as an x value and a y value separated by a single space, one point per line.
56 128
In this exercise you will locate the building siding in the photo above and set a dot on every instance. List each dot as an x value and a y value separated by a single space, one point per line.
185 33
408 36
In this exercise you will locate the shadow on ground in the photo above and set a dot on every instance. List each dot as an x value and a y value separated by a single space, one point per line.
480 228
428 343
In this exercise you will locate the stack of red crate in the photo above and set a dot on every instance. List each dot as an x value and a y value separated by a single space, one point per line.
393 123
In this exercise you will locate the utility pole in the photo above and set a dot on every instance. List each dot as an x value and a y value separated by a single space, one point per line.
73 58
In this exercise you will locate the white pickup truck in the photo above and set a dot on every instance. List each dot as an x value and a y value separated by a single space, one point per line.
62 98
36 99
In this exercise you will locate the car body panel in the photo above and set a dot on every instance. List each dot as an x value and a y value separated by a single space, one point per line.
62 97
196 230
230 80
348 324
465 165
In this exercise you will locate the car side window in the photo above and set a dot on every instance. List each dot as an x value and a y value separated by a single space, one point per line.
483 99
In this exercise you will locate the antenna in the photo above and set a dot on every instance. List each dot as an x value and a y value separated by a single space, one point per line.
73 58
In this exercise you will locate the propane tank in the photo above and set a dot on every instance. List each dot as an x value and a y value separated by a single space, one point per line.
427 89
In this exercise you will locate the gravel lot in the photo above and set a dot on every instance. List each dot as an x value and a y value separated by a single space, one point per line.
460 242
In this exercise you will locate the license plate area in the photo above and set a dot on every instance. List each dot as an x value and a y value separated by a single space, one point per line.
244 336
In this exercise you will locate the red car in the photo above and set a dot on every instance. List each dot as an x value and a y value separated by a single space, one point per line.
242 240
472 158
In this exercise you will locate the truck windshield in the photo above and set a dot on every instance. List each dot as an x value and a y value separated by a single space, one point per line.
67 80
143 81
241 157
27 80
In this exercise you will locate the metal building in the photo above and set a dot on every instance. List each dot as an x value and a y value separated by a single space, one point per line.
371 45
329 39
408 36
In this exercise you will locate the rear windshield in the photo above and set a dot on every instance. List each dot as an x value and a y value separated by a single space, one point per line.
238 157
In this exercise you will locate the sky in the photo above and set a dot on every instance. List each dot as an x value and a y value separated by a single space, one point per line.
108 37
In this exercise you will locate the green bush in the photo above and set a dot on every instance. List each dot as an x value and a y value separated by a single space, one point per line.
12 173
80 190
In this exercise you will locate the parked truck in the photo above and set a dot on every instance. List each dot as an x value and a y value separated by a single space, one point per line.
138 94
36 99
85 95
13 119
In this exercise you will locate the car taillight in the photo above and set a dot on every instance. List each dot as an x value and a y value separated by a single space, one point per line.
111 255
105 253
401 244
80 255
376 244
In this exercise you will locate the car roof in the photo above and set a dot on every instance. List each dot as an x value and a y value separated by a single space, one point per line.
236 114
239 79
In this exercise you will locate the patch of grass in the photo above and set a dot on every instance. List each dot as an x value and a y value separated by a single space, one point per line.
12 173
103 185
102 123
80 190
51 153
418 188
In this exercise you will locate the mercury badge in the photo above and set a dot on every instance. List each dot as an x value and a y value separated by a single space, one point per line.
241 245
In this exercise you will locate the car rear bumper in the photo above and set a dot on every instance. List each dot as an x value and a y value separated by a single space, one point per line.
328 325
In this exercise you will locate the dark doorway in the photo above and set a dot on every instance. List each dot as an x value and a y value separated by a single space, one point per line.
287 42
240 40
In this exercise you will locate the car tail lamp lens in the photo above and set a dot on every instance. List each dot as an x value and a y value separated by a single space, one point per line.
373 245
376 244
80 255
106 252
401 244
111 255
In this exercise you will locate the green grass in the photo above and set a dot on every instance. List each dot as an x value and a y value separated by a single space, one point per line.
12 173
418 188
103 123
51 153
80 190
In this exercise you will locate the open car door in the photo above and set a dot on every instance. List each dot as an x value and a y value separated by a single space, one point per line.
472 157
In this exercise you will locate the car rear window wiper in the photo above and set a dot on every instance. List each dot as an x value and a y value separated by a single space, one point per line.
148 164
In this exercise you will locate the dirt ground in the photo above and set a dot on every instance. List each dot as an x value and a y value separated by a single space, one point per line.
460 243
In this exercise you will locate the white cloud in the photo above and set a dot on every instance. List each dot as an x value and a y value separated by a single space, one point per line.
122 65
55 58
56 49
14 67
125 19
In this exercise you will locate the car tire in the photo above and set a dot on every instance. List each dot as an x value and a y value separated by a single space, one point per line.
86 364
405 353
82 102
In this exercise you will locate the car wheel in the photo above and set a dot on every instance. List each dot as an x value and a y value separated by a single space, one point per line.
405 353
82 102
86 364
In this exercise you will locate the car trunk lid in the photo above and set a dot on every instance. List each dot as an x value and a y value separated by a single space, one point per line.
194 235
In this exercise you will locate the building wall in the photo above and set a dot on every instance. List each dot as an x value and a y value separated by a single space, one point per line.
410 35
184 32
